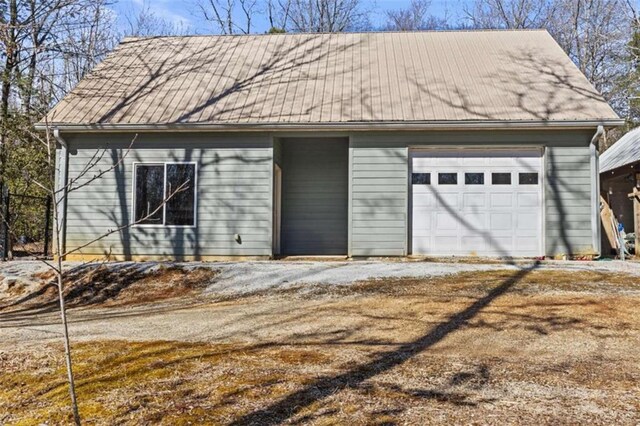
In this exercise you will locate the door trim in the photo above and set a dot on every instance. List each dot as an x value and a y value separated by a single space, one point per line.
277 209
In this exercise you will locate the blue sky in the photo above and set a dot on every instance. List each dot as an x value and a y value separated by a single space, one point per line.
184 12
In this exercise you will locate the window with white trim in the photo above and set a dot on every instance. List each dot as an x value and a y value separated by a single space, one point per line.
165 194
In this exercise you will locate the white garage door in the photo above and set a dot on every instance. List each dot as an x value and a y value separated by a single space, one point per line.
472 202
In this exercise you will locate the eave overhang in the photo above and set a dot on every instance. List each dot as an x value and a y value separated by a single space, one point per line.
329 127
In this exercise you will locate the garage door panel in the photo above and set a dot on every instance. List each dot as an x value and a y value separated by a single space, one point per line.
501 221
446 222
445 244
474 221
423 245
528 200
475 244
474 200
421 220
531 163
526 244
501 200
481 218
527 221
502 162
501 244
473 161
425 199
447 201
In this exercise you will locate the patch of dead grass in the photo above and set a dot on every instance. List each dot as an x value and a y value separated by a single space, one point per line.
159 381
480 281
558 347
177 383
165 283
106 285
46 275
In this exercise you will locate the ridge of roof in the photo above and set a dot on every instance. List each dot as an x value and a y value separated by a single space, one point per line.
461 30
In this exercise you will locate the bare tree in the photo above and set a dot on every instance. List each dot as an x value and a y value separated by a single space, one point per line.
229 16
627 88
9 37
327 15
415 17
511 14
594 34
278 14
90 174
46 46
145 23
81 47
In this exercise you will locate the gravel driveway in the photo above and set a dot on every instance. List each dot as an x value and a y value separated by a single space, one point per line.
215 316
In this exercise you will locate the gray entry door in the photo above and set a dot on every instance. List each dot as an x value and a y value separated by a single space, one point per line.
315 192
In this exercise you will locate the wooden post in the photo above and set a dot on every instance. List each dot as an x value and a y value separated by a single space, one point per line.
635 197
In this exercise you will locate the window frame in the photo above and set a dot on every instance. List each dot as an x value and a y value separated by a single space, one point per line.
474 173
510 174
455 174
421 173
164 164
528 173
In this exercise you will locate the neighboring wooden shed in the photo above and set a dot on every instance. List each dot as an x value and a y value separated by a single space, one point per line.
619 174
353 144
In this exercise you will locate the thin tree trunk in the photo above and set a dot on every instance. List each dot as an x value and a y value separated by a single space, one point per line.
65 330
9 66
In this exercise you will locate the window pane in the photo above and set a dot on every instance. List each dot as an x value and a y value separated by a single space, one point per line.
421 178
474 178
528 178
447 178
180 208
149 190
501 178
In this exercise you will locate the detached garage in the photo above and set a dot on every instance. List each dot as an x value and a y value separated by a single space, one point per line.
352 144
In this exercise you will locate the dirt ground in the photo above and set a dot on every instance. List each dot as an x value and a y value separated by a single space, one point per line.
488 347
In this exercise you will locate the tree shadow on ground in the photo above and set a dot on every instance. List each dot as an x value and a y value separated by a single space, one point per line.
91 285
324 387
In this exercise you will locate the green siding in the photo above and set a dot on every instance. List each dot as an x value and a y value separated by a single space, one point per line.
378 198
568 201
379 180
235 182
234 195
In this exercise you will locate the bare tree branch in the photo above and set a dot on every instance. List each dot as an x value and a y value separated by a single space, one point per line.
415 17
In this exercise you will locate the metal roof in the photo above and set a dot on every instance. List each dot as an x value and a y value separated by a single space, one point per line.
624 152
340 78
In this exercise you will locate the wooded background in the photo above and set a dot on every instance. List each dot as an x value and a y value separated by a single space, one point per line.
47 46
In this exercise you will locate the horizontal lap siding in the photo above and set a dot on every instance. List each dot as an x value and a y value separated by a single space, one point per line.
379 181
378 199
233 196
568 201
